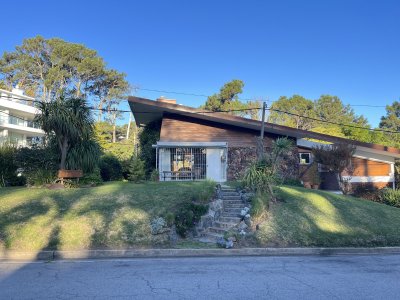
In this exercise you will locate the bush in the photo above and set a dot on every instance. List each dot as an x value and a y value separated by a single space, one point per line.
367 191
92 179
136 170
154 176
390 197
110 168
188 215
39 163
260 205
293 182
8 166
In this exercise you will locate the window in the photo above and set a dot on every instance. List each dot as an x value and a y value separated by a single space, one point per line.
305 158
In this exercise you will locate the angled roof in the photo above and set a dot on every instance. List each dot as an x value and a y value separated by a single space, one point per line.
146 111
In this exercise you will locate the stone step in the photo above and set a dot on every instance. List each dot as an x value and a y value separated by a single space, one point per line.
226 219
231 205
226 225
230 215
230 194
233 202
217 230
232 210
231 198
210 237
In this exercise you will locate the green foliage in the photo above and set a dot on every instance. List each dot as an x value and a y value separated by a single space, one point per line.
92 179
70 122
8 165
263 174
392 122
187 216
203 193
110 168
390 197
39 163
336 158
259 205
170 219
228 99
148 137
155 175
293 182
296 105
136 170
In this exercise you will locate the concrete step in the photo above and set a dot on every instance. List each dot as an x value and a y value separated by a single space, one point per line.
230 215
226 225
234 205
230 194
227 219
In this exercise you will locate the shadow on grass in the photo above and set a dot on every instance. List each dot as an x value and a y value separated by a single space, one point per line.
316 218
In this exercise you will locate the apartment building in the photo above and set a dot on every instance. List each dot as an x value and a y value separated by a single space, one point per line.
16 119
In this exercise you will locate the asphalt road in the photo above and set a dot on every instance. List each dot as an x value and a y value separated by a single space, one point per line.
306 277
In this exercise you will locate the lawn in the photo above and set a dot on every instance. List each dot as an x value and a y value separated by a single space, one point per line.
114 215
315 218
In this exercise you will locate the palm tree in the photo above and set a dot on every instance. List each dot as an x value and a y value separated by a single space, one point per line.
70 122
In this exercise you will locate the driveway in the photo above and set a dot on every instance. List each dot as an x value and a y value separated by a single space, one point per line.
305 277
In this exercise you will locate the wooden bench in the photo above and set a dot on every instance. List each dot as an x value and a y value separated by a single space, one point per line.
174 175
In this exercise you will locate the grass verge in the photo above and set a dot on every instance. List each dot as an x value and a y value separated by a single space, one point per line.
114 215
316 218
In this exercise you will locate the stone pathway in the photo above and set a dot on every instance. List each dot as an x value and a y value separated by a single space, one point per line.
229 217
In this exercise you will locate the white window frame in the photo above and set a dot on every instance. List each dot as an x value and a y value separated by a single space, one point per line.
310 158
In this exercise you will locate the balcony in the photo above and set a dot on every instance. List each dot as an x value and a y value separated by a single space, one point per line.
19 125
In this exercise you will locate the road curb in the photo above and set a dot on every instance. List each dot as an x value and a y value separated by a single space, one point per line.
154 253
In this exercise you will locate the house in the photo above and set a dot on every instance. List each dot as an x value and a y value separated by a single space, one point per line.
16 118
195 144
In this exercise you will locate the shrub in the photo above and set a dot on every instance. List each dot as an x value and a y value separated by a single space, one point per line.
188 215
110 168
390 197
260 205
93 178
39 163
367 191
154 176
136 170
147 138
8 166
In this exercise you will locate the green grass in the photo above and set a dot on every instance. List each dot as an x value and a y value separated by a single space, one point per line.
316 218
114 215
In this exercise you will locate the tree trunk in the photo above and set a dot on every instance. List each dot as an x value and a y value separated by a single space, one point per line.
100 107
114 138
64 150
129 126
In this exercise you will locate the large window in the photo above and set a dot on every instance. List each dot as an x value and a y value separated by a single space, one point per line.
305 158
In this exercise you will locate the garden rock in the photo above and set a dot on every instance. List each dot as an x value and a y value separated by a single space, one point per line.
244 211
159 226
229 244
247 220
221 242
242 226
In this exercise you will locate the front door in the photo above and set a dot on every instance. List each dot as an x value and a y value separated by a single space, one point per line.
214 165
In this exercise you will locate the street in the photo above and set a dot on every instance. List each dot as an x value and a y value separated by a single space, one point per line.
295 277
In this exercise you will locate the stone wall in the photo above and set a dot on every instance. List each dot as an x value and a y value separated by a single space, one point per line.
240 158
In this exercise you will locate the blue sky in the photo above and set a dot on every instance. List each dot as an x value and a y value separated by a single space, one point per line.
346 48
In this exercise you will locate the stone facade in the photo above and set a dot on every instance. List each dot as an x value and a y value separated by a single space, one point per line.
240 158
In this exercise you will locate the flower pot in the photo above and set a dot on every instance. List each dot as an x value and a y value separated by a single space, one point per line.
307 185
315 186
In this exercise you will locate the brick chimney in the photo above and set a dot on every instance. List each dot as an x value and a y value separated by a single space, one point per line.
165 100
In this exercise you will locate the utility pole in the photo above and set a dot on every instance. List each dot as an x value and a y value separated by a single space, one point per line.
263 120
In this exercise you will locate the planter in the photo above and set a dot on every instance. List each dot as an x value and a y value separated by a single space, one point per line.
70 173
307 185
315 186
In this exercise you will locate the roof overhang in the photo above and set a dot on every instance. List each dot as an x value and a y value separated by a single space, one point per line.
146 111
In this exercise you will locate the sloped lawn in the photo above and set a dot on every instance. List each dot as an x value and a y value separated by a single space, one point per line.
316 218
114 215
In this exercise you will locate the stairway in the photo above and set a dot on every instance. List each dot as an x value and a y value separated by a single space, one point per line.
229 218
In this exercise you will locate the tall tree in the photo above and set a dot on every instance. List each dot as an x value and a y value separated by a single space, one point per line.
392 122
298 106
70 122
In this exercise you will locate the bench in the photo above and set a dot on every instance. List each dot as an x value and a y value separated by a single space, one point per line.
176 175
